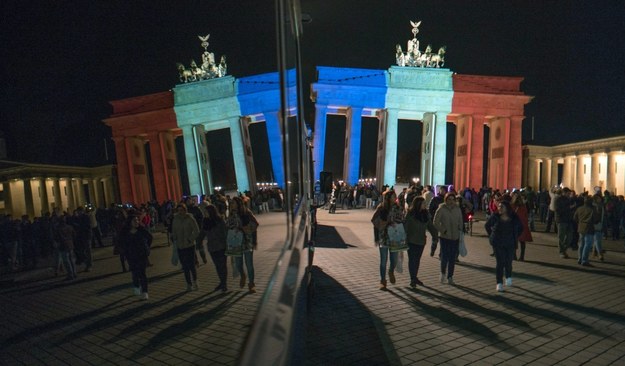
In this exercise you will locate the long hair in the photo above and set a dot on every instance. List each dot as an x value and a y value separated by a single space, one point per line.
387 199
240 206
213 216
416 211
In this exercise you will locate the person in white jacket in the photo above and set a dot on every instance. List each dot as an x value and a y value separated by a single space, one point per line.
448 222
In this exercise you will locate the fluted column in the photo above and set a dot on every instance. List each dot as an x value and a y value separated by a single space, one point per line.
124 170
546 174
594 171
610 180
532 169
355 132
8 201
567 172
159 170
319 139
580 181
390 160
45 203
56 191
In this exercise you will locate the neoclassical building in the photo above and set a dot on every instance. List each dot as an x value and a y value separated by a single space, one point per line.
33 189
581 166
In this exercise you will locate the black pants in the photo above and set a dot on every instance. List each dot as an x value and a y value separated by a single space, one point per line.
449 253
414 259
96 235
187 260
503 256
139 277
221 265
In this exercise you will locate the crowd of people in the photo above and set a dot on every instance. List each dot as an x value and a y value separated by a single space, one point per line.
581 223
68 238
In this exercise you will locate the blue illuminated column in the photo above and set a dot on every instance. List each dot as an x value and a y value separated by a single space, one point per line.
354 146
439 152
193 167
319 139
238 154
390 161
272 123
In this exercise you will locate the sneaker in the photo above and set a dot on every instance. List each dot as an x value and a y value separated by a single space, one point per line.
499 287
450 281
252 288
413 284
194 287
242 280
383 285
443 278
145 296
564 256
509 282
136 291
391 277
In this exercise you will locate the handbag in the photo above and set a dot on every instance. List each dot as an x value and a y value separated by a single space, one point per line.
397 238
234 243
462 248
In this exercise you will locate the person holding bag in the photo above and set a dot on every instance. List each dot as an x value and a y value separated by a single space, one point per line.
241 219
388 213
184 232
418 221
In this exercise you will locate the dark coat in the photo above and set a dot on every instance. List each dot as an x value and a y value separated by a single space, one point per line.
137 247
501 233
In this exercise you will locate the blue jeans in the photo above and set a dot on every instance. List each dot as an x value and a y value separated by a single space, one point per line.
66 257
565 234
249 264
384 254
449 253
585 248
598 238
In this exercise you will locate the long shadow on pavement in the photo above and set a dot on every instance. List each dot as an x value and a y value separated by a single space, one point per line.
576 268
328 237
53 285
127 286
614 317
516 274
475 308
440 314
535 311
187 326
64 322
342 331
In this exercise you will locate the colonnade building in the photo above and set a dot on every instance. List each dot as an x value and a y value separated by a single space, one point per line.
34 189
165 142
583 166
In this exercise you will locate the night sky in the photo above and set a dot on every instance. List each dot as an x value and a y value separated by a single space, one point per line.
64 60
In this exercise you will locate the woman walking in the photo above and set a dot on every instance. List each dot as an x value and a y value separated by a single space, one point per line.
519 204
242 219
184 231
215 228
386 214
136 241
448 222
503 228
418 221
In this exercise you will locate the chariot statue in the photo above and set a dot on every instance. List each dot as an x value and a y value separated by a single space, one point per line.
414 57
207 70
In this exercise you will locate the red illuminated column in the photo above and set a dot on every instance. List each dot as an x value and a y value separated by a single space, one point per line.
123 170
515 150
159 171
476 151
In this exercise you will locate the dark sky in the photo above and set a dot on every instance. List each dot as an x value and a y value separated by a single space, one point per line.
62 61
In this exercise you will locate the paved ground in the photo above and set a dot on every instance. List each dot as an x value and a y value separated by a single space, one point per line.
556 313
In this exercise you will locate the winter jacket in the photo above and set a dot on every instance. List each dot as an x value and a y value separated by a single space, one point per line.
415 229
184 230
448 221
503 233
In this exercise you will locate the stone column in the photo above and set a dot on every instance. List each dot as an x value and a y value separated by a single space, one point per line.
238 154
475 153
532 168
580 183
554 172
515 152
594 172
439 149
546 174
390 160
8 202
45 203
56 187
355 132
28 198
71 200
610 181
191 158
567 172
159 171
124 170
274 133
